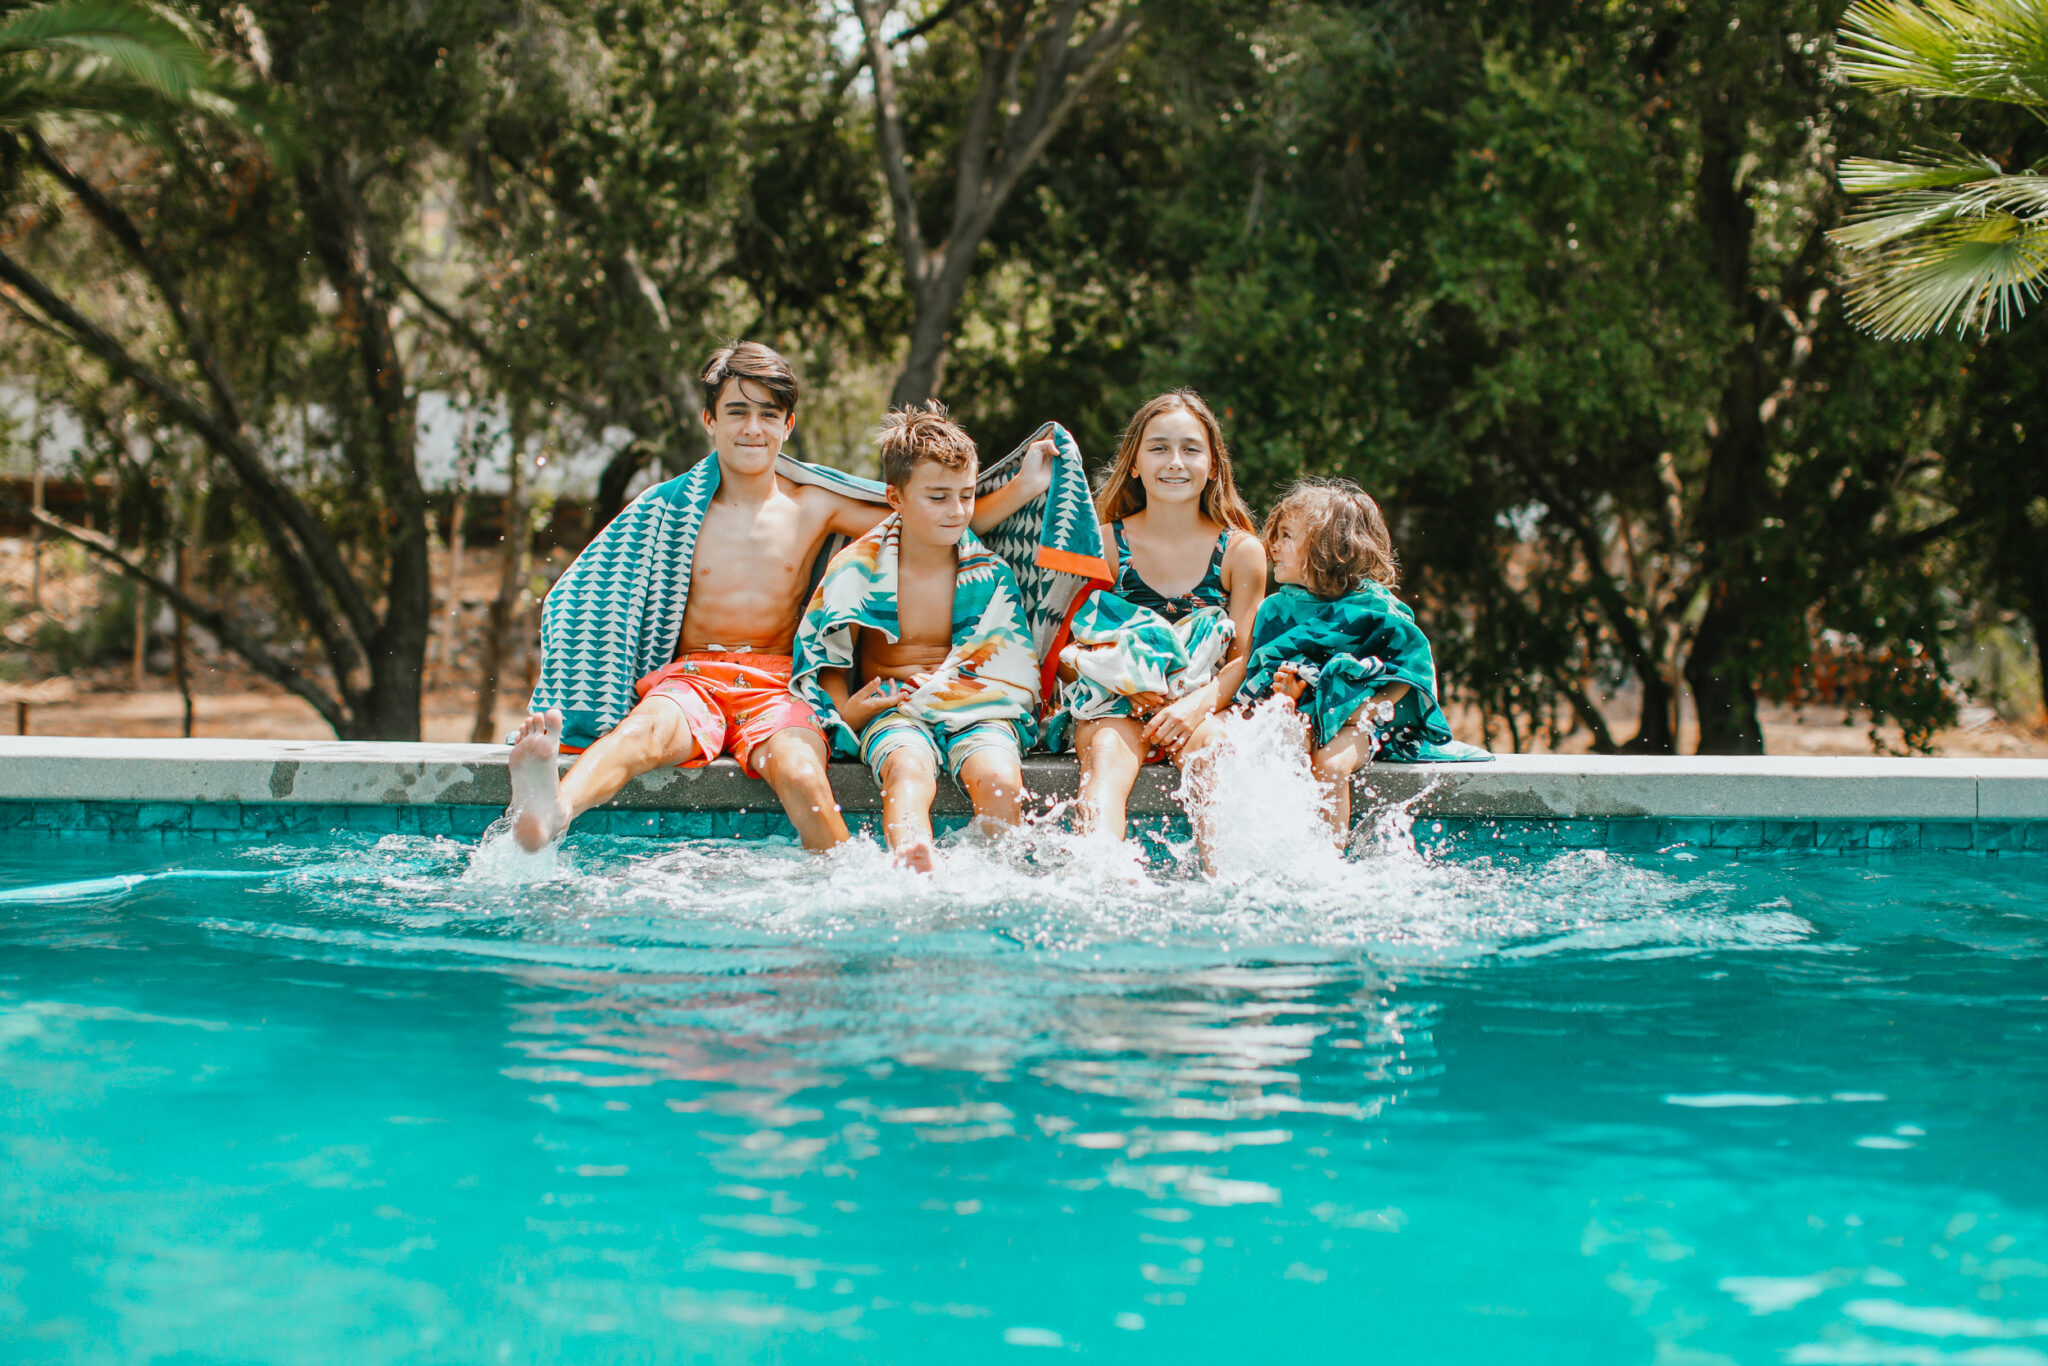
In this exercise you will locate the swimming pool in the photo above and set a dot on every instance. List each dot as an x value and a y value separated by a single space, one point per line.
381 1099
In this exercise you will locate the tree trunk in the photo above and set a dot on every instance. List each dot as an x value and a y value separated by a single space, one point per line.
510 571
1720 666
141 640
181 668
1657 731
1723 685
929 333
1002 135
613 481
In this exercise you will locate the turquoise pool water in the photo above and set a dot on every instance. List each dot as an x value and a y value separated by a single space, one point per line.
371 1103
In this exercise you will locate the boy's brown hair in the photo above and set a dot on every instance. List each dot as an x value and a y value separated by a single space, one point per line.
915 433
1344 538
755 363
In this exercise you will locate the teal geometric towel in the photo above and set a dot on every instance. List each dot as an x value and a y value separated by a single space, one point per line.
616 614
1053 543
1361 642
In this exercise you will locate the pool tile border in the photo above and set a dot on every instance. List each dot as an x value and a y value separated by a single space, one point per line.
243 789
254 821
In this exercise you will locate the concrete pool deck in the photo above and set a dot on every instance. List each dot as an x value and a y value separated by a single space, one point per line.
255 787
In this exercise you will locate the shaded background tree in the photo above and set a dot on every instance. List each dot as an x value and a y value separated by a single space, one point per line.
1556 284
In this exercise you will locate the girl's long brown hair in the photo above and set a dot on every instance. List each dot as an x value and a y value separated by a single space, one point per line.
1123 493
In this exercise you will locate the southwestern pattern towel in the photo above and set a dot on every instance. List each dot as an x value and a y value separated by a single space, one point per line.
616 614
1361 642
1120 649
991 673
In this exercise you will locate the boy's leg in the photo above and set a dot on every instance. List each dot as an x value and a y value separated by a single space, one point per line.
794 761
655 734
994 778
1112 752
909 776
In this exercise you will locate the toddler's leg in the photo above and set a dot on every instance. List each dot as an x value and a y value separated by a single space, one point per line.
1349 750
1112 752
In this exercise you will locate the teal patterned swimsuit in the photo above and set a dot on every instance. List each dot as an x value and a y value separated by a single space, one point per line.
1132 588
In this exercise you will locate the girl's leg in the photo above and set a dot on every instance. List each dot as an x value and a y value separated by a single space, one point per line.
994 779
1112 752
1202 815
910 779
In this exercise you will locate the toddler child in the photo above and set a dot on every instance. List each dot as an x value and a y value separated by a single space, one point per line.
1335 640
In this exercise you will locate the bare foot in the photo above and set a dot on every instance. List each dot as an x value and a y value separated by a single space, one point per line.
537 812
916 857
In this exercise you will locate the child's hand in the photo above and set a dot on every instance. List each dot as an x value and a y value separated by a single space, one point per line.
1036 468
1143 704
1176 723
1288 683
876 696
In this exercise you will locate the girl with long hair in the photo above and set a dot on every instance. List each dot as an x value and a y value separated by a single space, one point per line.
1181 541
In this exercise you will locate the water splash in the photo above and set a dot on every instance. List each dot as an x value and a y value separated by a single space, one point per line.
1256 798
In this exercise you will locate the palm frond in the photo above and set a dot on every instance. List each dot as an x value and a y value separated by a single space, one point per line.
1965 49
1965 274
1921 170
134 38
127 63
1902 213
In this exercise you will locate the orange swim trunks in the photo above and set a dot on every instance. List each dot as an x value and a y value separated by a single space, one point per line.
731 702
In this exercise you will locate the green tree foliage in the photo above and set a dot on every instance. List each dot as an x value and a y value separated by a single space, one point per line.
1556 285
645 181
222 320
1555 282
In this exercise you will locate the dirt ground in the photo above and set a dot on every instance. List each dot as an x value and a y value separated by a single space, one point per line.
230 702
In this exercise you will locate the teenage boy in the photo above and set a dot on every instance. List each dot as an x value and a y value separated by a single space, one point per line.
914 650
667 642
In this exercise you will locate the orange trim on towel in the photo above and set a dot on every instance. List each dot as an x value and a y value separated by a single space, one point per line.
1068 562
1049 667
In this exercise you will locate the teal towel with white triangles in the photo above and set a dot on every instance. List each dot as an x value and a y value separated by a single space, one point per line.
1053 544
616 614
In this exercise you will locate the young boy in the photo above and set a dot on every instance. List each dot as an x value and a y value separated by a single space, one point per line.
759 521
914 649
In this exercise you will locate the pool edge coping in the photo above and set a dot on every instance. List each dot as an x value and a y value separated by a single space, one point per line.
1517 787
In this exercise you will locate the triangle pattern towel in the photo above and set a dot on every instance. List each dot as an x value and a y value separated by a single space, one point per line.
616 614
1120 650
1053 544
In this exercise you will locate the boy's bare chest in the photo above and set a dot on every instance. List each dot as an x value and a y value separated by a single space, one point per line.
763 546
924 609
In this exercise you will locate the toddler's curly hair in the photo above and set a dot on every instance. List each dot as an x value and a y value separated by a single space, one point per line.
1344 538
